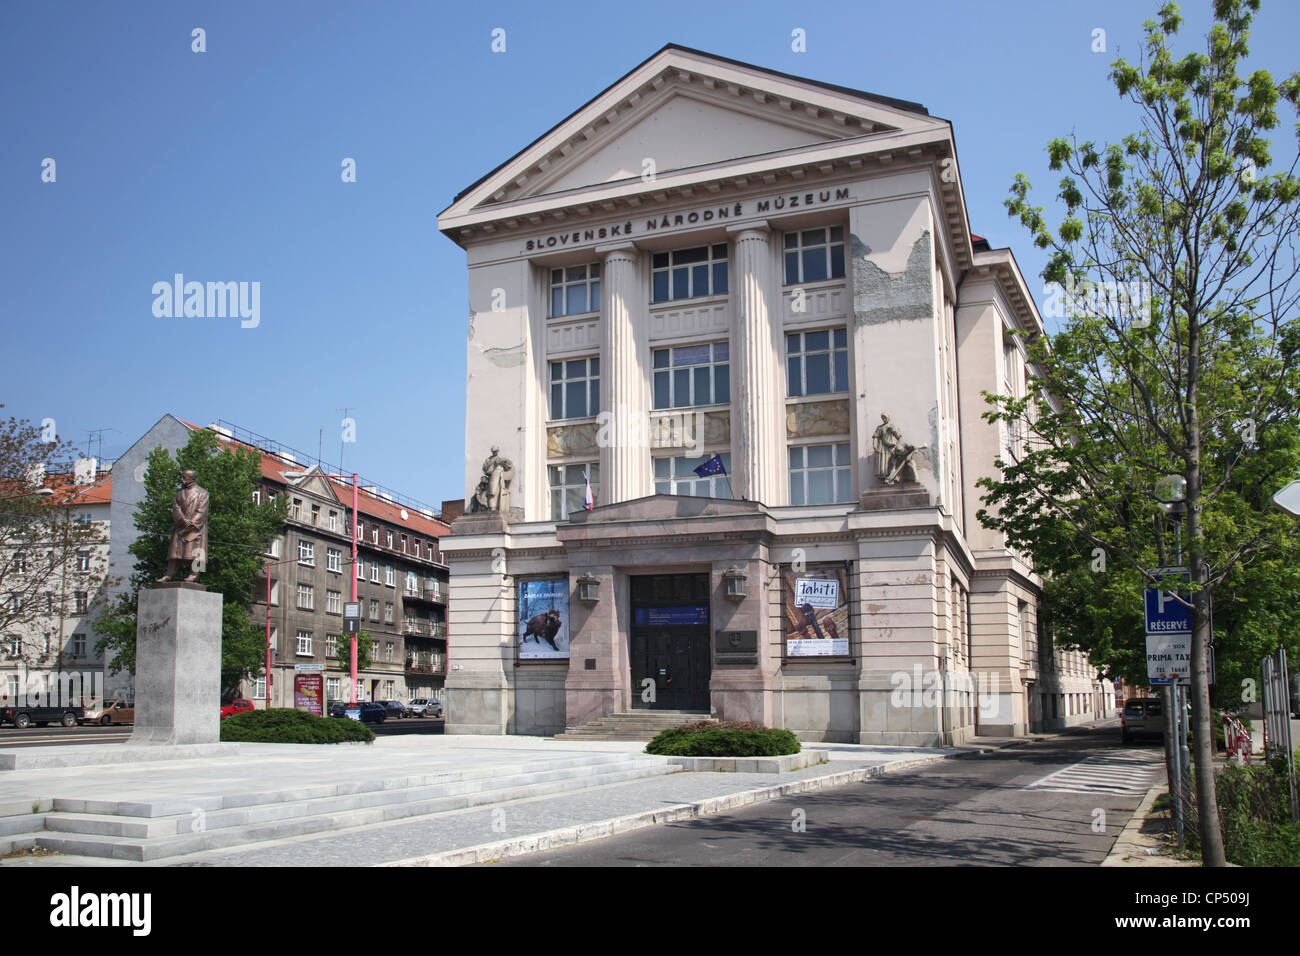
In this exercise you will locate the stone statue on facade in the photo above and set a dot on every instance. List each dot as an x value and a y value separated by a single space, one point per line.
493 491
900 464
883 442
189 530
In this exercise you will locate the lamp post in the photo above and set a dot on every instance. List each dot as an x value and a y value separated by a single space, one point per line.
1171 492
269 566
355 512
28 494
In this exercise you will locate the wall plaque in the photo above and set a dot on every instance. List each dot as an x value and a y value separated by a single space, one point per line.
736 647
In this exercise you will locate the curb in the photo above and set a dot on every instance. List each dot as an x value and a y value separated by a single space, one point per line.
588 832
1129 842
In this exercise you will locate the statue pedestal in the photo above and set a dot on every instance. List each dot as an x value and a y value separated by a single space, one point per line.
177 666
898 497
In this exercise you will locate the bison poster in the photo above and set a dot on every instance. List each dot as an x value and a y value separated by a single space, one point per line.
544 619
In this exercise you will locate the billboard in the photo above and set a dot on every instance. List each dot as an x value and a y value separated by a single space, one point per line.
815 605
309 693
543 623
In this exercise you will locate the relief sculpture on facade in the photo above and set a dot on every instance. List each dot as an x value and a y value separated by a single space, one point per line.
808 419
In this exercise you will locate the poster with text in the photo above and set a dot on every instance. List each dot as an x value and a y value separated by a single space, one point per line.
815 605
308 693
544 619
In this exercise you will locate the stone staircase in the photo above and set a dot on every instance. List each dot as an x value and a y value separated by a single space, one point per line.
144 830
634 725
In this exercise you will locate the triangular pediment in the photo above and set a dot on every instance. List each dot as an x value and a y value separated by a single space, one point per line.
685 111
314 483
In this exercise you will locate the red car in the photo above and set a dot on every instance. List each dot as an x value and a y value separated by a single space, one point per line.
235 707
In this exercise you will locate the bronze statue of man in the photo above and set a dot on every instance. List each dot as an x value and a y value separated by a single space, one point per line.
189 530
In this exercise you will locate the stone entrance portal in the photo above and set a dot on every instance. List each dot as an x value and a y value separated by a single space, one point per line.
669 641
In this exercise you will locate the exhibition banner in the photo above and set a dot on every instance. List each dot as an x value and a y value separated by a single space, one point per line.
815 621
544 619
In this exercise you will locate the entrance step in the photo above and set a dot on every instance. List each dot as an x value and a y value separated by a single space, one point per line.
145 830
634 725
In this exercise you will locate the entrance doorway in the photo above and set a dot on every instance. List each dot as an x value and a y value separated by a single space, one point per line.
669 642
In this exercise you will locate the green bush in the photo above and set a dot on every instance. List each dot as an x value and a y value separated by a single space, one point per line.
723 739
284 726
1255 814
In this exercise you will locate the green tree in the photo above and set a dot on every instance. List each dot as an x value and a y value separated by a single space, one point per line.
1193 375
365 646
239 533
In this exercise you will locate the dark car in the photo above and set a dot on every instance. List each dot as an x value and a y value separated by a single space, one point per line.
396 709
372 712
1141 717
335 708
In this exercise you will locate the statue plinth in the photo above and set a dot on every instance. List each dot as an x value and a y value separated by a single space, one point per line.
896 497
481 522
178 665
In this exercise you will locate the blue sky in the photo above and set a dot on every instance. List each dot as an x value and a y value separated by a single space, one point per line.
225 166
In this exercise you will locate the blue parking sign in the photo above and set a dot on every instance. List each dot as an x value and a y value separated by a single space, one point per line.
1165 614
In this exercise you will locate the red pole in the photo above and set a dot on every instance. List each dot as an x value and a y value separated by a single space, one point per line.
355 515
268 636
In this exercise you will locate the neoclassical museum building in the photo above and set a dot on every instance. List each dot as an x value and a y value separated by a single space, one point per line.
729 330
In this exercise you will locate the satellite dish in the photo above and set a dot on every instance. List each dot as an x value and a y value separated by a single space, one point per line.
404 514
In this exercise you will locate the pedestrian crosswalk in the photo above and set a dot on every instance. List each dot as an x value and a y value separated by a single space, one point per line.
1120 772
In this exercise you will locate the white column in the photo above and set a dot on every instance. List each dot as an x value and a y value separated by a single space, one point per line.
757 382
624 386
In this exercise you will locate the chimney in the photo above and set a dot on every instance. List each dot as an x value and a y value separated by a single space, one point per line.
453 509
84 471
36 474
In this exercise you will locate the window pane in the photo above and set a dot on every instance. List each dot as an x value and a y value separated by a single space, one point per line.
661 390
843 486
577 299
573 475
661 287
796 488
722 383
814 237
703 394
661 260
576 272
841 371
842 453
841 338
663 488
796 458
557 275
721 351
575 368
837 233
595 295
700 279
792 344
593 367
817 341
719 278
557 400
662 466
819 488
818 369
720 251
681 387
791 240
814 264
557 301
791 268
661 358
691 355
793 384
595 270
681 284
593 397
819 456
837 262
684 257
575 400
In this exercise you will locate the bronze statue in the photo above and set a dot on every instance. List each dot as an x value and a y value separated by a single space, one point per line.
493 491
189 530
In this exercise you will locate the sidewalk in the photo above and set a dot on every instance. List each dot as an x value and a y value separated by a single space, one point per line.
474 834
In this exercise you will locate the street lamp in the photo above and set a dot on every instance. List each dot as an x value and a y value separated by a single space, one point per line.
28 494
353 575
1171 492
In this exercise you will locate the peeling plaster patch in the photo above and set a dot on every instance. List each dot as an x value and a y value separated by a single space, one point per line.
880 296
506 357
472 315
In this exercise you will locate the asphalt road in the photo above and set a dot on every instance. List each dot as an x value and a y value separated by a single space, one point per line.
55 735
1053 803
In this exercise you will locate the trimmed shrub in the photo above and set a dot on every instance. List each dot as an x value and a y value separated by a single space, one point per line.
285 726
724 739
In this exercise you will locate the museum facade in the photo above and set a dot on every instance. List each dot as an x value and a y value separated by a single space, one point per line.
729 333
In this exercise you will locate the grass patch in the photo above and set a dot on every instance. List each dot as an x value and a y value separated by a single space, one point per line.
285 726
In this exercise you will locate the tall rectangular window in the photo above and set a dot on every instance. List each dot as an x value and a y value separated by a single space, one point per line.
259 687
80 602
817 363
333 687
304 642
689 273
83 560
388 612
575 388
692 375
374 609
333 559
388 575
814 254
331 647
569 491
575 289
374 572
78 645
361 570
306 596
676 476
307 553
334 521
334 602
820 474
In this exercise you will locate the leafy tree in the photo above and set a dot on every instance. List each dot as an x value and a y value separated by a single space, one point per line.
47 553
365 647
1194 375
239 533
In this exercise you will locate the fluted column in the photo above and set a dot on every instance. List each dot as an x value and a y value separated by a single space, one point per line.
624 386
758 385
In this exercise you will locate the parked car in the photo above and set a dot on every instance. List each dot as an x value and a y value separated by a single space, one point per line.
1141 717
425 707
237 706
395 708
335 708
25 715
111 710
372 711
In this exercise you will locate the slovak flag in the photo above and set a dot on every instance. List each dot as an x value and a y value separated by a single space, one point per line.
589 500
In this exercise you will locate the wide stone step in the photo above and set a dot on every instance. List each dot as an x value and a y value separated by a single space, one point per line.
634 725
80 834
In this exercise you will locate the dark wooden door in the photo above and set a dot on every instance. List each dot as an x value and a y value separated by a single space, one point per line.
665 648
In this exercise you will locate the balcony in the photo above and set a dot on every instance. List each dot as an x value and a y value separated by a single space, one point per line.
426 664
429 595
416 627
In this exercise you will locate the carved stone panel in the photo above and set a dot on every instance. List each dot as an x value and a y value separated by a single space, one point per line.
572 441
686 428
808 419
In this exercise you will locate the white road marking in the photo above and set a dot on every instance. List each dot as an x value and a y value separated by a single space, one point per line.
1120 772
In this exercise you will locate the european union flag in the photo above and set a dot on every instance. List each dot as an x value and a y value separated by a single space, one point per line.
713 466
